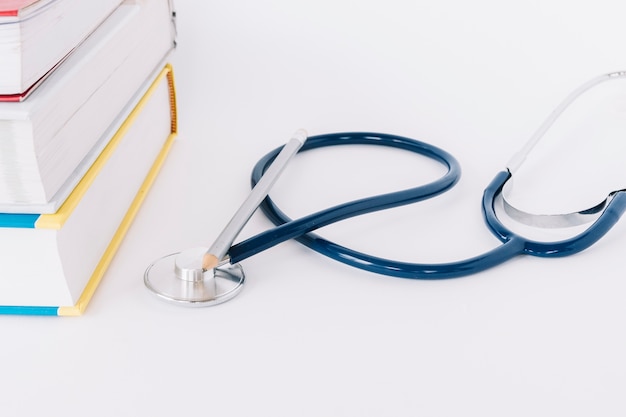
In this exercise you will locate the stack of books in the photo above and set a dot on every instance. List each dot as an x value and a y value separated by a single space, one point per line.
87 116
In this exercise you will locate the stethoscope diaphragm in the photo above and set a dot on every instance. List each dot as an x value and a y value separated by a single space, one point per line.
180 279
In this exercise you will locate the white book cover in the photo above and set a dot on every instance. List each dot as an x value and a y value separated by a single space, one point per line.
51 138
35 35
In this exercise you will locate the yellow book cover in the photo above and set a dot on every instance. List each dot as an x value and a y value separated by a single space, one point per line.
51 264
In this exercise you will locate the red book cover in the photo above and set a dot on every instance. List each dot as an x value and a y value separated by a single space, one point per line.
22 96
13 7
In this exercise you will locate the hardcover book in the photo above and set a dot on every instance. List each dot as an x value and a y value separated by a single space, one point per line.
52 137
36 35
50 264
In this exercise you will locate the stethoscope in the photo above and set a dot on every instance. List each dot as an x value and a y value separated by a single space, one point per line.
209 276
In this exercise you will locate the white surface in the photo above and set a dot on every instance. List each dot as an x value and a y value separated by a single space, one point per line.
309 336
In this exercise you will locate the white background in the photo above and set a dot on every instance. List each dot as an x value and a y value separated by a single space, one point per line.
312 337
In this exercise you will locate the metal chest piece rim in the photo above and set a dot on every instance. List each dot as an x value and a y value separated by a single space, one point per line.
178 278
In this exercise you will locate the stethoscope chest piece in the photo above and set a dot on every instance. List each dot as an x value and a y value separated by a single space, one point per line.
205 276
179 278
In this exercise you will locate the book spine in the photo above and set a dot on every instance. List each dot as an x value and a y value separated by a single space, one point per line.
106 259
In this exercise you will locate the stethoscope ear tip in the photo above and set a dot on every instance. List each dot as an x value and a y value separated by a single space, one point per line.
180 278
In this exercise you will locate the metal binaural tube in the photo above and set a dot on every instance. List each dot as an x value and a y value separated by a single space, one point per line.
516 161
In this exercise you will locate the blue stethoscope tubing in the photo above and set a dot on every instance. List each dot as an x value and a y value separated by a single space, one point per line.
512 243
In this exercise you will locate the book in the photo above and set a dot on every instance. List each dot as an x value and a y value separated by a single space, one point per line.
51 264
35 35
50 139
